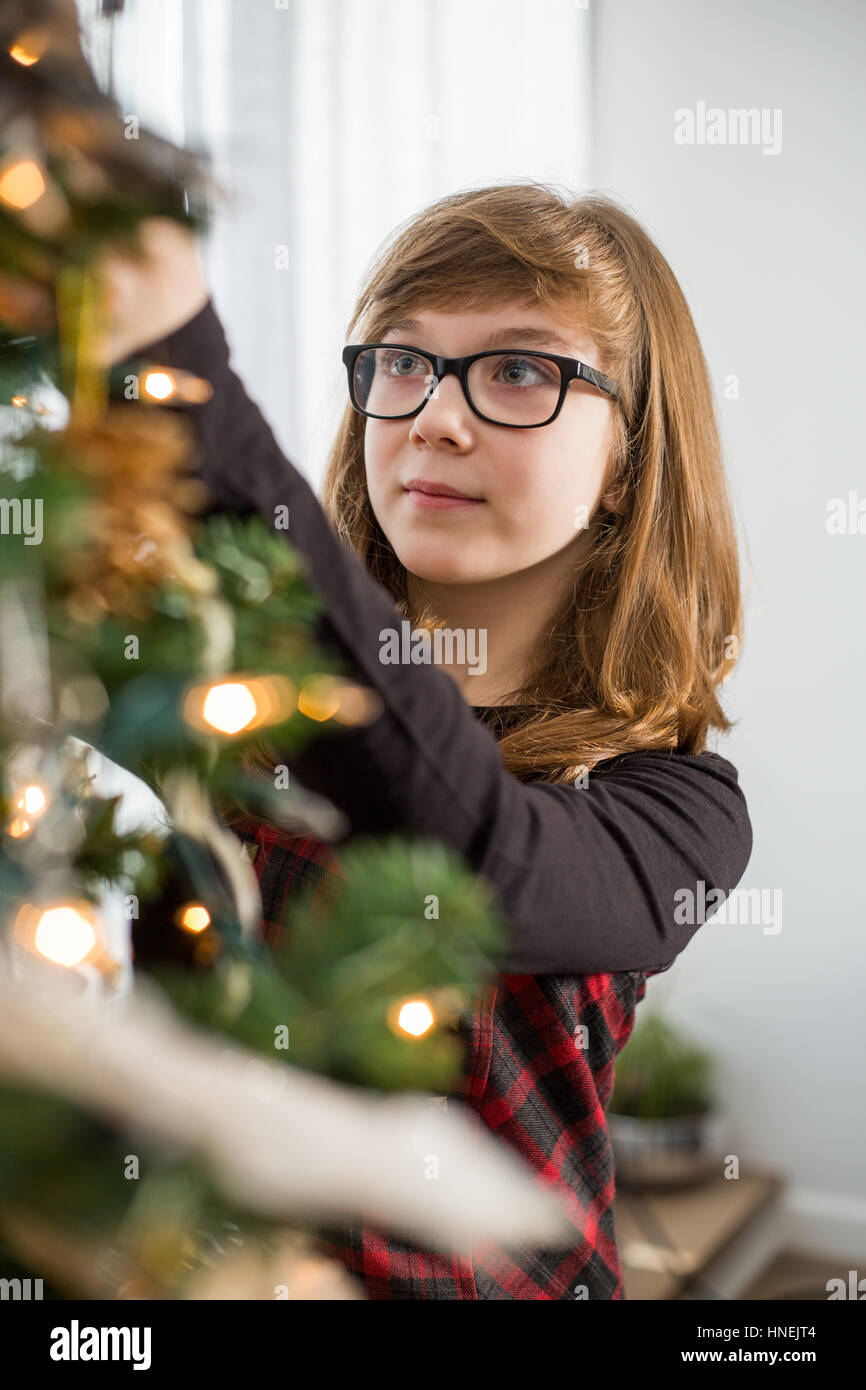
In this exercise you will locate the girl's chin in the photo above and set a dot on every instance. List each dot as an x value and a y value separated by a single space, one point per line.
440 568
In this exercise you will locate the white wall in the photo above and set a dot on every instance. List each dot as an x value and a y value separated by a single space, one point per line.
329 122
769 252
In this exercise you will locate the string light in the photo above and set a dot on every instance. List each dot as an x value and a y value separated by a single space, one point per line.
29 47
239 704
248 702
22 184
359 704
229 708
31 802
64 935
22 56
159 384
319 698
22 401
194 917
325 697
68 934
415 1017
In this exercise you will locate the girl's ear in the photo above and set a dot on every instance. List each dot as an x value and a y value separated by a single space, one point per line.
613 497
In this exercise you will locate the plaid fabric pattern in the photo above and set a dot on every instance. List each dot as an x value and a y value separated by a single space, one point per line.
539 1073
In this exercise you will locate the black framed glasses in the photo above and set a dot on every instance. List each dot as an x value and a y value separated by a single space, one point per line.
521 390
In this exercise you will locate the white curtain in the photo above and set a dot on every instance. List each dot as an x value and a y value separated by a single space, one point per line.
330 122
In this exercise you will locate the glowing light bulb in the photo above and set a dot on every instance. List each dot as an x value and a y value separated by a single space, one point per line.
195 918
416 1017
319 698
195 389
19 400
29 46
22 184
159 385
359 704
32 800
23 55
64 935
229 708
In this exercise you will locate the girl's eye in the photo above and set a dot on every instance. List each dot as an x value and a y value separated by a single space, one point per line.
404 364
525 371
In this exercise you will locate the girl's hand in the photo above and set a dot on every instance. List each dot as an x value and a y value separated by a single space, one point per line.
150 295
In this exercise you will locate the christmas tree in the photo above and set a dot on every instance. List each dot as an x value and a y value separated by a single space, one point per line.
180 1109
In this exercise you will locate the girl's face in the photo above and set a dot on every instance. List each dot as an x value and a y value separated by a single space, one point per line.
535 489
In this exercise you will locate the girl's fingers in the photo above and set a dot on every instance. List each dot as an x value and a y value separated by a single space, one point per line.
25 306
149 295
149 290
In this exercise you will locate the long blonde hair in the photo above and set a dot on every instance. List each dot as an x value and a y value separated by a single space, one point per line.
653 619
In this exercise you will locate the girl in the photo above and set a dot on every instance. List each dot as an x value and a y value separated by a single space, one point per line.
528 457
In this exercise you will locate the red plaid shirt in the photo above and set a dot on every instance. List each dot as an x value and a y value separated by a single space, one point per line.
540 1053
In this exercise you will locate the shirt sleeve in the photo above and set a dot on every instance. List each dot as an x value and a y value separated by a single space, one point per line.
587 877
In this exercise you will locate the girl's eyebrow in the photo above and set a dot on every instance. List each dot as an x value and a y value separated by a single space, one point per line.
520 334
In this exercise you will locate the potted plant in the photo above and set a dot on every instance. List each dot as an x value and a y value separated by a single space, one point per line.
663 1120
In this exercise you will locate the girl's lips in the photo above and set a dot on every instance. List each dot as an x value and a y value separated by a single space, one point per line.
438 503
441 502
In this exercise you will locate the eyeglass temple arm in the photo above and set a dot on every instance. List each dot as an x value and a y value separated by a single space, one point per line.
596 378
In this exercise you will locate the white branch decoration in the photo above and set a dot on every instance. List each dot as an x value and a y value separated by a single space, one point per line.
277 1139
